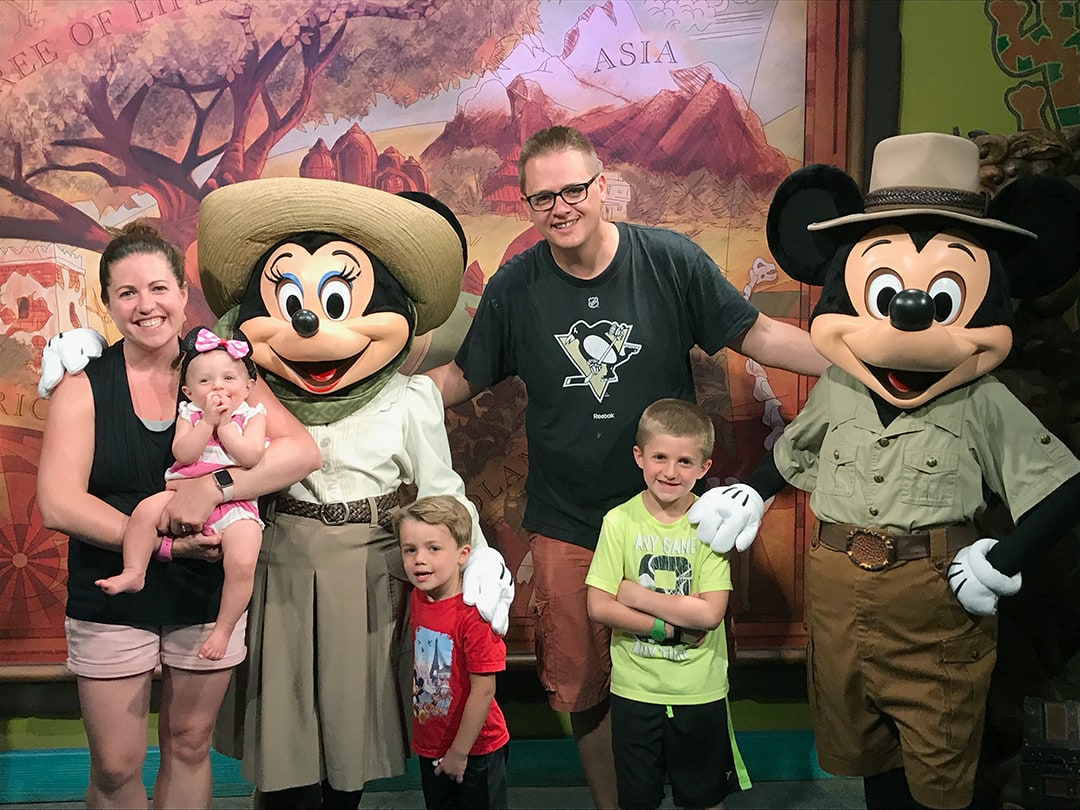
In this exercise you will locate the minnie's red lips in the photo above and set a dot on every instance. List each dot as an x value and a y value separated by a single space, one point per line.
321 376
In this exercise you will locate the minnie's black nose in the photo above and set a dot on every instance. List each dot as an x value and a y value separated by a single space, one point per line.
305 322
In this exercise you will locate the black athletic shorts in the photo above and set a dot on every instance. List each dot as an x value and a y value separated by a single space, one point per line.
690 745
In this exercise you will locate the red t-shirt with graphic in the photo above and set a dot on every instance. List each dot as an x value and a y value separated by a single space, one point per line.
451 640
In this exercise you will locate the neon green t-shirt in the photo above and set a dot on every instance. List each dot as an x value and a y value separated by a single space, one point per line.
665 557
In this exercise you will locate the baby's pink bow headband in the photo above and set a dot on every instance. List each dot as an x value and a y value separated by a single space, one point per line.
206 341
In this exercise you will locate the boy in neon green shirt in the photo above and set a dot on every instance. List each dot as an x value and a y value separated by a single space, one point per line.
650 580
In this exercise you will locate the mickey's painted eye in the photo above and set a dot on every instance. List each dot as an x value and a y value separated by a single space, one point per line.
883 287
290 298
336 298
947 292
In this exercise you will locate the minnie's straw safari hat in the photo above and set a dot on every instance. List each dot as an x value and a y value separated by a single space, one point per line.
419 245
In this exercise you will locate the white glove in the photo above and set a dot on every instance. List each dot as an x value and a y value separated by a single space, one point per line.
976 583
488 584
727 517
69 352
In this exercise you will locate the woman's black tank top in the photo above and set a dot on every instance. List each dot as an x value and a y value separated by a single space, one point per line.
129 464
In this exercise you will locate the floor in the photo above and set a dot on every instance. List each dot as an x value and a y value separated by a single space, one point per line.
522 692
834 794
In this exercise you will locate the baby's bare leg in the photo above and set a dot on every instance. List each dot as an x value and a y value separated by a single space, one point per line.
140 540
240 550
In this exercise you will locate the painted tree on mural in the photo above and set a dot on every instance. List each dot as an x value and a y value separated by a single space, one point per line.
177 104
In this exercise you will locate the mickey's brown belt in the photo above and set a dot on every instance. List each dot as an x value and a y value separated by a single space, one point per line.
874 549
341 512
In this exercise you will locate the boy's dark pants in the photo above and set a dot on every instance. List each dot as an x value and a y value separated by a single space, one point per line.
484 786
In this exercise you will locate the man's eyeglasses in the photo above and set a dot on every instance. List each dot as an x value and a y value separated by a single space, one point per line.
545 200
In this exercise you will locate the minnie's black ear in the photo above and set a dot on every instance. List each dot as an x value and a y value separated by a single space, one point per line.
811 194
1050 208
444 211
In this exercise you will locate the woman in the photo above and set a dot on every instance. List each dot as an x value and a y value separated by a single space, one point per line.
106 446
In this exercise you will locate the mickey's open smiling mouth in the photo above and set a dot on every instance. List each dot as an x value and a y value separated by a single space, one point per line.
905 384
322 375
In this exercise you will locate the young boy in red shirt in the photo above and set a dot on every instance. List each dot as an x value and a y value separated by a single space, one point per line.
459 732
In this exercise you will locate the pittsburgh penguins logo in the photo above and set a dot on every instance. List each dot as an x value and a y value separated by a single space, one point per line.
596 350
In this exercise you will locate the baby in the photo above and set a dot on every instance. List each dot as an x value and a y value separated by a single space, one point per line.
215 429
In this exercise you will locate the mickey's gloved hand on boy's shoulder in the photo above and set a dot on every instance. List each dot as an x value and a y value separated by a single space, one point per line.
728 517
489 585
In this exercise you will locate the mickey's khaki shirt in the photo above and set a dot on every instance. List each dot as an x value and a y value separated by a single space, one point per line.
928 467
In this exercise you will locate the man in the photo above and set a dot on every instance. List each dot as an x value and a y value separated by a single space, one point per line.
598 321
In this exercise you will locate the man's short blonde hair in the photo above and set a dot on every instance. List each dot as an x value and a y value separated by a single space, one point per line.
677 417
439 510
556 139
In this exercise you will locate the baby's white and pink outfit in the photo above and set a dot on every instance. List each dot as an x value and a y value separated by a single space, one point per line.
214 457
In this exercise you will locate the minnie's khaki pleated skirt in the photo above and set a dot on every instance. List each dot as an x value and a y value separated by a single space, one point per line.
323 692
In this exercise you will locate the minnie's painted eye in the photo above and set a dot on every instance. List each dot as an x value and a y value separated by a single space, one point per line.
336 298
947 292
883 287
290 298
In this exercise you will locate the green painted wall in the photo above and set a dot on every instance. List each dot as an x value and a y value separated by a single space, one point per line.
948 74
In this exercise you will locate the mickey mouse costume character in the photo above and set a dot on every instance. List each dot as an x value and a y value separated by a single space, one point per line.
899 443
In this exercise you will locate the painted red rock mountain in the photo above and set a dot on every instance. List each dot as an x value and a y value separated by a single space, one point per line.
703 124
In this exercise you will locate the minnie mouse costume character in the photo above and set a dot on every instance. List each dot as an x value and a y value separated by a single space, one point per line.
898 445
330 281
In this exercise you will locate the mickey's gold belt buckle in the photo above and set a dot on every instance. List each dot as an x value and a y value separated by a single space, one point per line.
870 550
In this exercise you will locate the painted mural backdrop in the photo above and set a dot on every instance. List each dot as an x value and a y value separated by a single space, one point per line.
1037 44
112 110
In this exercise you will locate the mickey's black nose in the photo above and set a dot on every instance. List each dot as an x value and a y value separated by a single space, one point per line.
911 311
305 322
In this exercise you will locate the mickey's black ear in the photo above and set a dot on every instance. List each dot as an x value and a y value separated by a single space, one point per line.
444 211
811 194
1050 208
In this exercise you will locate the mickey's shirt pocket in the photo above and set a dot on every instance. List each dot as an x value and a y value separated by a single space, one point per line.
838 469
1050 447
929 477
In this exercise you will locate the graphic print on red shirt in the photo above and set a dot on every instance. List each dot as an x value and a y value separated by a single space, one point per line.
451 640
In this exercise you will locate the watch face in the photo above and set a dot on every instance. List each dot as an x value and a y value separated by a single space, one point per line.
223 478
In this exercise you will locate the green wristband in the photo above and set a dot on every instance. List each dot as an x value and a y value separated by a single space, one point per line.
658 633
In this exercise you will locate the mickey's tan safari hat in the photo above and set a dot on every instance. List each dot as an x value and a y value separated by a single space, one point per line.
925 173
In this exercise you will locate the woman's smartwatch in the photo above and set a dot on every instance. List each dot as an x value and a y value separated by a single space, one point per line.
225 483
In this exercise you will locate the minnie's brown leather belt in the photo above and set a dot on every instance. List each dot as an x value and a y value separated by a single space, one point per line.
340 513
